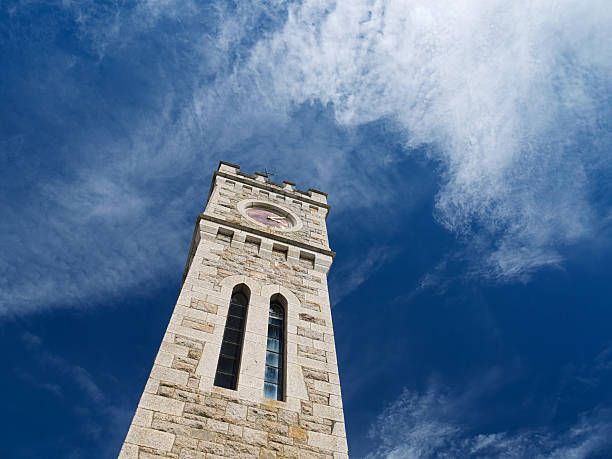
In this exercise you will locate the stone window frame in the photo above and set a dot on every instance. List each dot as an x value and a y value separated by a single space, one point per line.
252 366
240 289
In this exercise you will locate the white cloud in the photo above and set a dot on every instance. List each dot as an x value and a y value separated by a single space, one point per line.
511 94
500 92
427 425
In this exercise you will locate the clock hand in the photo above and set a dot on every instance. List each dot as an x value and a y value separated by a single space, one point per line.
280 220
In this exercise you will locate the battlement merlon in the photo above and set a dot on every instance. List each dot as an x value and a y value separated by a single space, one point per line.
261 180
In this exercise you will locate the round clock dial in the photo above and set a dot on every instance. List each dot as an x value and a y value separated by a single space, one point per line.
268 217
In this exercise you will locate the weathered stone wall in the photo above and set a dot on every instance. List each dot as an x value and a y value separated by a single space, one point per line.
181 413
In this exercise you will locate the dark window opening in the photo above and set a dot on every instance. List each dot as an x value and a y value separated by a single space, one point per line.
228 366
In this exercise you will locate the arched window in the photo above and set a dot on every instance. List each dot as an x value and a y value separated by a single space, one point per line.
275 352
228 366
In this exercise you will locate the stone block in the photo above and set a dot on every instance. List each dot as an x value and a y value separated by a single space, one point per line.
258 413
255 437
285 440
267 454
325 329
174 349
143 436
169 375
217 426
308 333
335 400
315 374
328 412
241 450
181 442
143 417
297 432
317 364
287 417
195 334
128 451
171 427
192 313
210 447
164 359
339 429
152 386
161 404
327 442
310 425
312 319
235 431
236 411
188 342
323 386
198 325
190 454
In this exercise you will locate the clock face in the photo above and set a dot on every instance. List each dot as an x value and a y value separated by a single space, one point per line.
268 217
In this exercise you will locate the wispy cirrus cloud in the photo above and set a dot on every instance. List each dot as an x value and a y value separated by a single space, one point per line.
138 103
103 419
429 424
75 373
441 421
512 96
356 271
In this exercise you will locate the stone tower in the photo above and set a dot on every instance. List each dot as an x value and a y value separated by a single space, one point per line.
247 367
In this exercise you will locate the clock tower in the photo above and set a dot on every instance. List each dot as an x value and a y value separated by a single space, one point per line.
247 367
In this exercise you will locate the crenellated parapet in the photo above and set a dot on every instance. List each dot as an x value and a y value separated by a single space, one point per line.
262 180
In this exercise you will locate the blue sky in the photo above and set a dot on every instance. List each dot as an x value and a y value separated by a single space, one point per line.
465 147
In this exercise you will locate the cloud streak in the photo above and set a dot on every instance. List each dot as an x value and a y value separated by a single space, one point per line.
352 274
427 425
102 419
508 101
512 97
79 375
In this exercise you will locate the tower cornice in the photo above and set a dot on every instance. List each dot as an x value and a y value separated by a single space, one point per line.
273 236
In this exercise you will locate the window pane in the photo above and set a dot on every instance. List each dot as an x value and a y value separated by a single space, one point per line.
273 345
234 322
271 374
271 359
275 352
223 380
232 336
271 391
240 299
227 365
276 311
236 310
229 349
274 332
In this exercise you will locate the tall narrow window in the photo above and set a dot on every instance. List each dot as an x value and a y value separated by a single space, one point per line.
275 354
228 366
